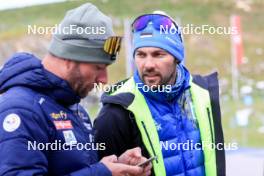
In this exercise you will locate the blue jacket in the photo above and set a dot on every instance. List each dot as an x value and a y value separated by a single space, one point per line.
38 110
116 126
175 126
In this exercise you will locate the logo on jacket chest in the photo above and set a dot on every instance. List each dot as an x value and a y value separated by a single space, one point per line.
158 125
63 124
61 120
69 137
59 116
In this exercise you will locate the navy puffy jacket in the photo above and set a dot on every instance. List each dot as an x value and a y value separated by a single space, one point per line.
175 127
37 107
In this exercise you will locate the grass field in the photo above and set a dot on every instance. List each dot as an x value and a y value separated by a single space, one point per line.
204 53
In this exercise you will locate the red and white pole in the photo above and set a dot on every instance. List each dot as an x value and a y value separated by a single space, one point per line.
237 52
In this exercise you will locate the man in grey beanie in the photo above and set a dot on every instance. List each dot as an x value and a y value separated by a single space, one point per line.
44 130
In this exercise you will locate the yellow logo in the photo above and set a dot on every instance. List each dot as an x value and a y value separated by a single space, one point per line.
60 115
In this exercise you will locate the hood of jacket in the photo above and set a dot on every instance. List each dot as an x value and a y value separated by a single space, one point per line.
26 70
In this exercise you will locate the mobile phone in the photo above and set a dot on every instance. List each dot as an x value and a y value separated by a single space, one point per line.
145 163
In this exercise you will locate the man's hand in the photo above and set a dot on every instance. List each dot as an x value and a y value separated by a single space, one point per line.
119 169
134 157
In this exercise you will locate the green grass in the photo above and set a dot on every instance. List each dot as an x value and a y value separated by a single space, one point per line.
204 53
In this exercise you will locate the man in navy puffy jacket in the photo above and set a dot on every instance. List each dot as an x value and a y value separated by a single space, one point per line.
162 108
44 131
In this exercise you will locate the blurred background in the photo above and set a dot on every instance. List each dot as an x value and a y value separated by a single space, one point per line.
241 78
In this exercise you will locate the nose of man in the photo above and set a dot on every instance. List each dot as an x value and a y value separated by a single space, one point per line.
149 64
102 76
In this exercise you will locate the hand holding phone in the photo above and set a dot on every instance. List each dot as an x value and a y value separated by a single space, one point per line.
145 163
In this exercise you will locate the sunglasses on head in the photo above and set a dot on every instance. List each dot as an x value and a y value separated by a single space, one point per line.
159 21
112 45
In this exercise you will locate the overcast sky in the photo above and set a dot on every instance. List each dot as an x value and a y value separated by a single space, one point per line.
11 4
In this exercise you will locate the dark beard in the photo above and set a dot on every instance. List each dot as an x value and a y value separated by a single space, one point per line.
163 80
76 81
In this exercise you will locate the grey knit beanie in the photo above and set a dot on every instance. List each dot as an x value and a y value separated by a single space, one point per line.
81 34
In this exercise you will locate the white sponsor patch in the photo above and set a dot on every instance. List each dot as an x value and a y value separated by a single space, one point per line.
69 137
145 35
11 122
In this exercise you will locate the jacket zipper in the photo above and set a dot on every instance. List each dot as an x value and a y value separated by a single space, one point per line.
151 145
209 117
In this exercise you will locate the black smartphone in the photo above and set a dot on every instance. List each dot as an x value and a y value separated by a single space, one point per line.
145 163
